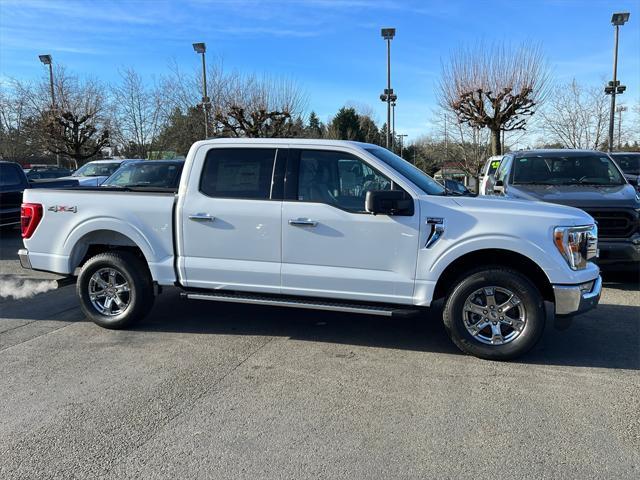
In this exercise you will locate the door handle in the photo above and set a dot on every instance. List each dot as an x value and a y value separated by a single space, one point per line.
202 217
303 222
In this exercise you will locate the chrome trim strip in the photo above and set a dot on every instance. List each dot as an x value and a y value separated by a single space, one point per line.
286 303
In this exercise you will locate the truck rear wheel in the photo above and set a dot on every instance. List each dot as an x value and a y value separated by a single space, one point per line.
494 313
115 289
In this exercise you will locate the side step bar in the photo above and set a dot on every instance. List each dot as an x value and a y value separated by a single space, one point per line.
297 302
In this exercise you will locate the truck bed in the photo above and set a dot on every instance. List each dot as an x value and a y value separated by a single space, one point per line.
74 217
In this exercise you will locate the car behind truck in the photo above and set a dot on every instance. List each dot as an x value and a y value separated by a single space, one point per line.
330 225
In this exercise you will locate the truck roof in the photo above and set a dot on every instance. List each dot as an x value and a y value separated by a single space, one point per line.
297 141
565 152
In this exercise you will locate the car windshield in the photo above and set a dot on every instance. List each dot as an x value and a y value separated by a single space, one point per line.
423 181
93 169
628 162
147 174
568 170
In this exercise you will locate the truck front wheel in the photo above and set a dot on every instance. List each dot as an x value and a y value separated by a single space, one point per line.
494 313
115 289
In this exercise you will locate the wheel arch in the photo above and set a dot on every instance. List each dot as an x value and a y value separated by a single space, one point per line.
493 256
100 241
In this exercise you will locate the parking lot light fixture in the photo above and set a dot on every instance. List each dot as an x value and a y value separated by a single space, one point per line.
388 34
614 87
48 60
201 48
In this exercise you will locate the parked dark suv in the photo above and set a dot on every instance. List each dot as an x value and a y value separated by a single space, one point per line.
629 163
585 179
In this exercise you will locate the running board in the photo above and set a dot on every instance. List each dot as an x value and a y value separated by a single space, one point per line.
308 303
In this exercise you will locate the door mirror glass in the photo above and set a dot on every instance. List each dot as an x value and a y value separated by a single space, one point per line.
389 202
498 187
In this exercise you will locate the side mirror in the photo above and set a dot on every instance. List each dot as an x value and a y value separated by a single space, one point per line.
633 180
388 202
499 187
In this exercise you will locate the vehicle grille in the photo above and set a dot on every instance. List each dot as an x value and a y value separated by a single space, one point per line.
615 223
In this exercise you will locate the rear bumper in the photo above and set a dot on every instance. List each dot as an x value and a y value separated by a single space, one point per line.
23 255
574 299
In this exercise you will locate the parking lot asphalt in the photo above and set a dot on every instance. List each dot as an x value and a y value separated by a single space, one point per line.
207 390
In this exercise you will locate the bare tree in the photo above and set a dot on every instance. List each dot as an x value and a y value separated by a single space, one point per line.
19 132
136 110
259 107
78 126
576 116
496 88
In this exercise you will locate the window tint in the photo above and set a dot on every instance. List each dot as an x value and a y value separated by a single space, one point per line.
97 169
9 176
238 173
148 174
338 179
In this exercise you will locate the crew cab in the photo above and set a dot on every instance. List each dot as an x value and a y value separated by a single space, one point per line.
583 179
319 224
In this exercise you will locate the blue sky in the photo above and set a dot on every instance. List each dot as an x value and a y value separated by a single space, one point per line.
332 48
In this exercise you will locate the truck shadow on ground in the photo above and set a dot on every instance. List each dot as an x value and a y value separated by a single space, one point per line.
608 337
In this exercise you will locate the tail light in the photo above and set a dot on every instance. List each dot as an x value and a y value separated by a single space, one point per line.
30 216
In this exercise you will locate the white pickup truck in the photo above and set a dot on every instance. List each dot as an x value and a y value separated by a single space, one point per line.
319 224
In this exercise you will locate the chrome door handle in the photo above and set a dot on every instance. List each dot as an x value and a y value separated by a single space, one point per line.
303 222
202 217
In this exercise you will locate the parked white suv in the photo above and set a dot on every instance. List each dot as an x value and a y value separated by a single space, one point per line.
320 224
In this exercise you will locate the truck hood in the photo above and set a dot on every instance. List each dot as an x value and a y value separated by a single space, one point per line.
500 208
580 196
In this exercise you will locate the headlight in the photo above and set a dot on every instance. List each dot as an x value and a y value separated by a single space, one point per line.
577 244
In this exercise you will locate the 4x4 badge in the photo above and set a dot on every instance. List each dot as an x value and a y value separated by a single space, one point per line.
62 208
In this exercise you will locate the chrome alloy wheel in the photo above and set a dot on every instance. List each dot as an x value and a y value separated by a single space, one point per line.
109 292
494 315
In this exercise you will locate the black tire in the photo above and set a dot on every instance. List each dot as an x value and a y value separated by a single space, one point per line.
139 296
531 300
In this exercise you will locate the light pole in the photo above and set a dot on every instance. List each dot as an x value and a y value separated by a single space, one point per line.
388 34
620 109
202 48
394 97
48 60
614 86
401 137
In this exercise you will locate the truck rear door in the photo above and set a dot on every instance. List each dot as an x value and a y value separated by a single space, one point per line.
230 217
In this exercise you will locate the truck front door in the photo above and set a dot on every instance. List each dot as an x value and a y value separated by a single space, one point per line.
331 247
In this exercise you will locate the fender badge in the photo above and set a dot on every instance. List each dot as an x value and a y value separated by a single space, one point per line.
435 220
62 208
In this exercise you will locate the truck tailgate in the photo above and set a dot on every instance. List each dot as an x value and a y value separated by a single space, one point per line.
74 218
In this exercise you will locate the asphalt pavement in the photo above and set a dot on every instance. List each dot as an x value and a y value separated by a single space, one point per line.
208 390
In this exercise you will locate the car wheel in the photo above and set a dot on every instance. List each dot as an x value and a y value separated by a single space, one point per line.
115 289
494 313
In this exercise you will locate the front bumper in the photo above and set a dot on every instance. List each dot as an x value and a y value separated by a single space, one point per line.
619 251
23 255
574 299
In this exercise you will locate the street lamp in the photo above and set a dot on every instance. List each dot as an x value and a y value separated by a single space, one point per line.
401 137
614 88
620 109
201 48
394 97
388 34
48 60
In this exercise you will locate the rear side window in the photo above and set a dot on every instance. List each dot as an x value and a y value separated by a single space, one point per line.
238 173
9 176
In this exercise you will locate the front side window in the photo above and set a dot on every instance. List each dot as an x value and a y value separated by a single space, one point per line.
338 179
238 173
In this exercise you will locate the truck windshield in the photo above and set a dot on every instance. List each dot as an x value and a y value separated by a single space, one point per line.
569 170
628 162
423 181
96 170
147 174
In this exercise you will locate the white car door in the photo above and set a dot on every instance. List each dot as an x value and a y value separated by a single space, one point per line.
331 247
231 220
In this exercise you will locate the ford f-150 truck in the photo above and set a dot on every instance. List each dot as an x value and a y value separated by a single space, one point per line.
319 224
